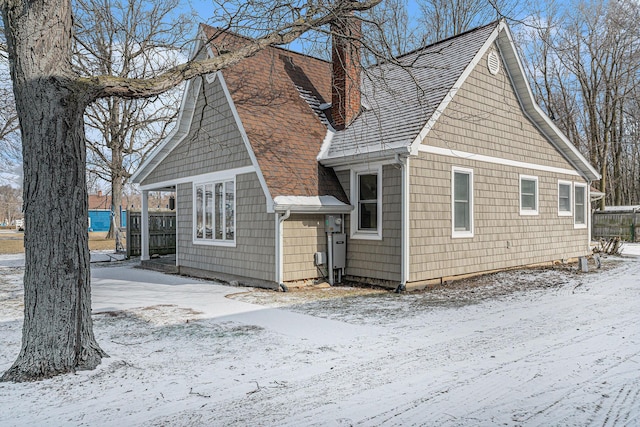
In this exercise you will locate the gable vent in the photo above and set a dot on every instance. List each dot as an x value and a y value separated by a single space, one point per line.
493 62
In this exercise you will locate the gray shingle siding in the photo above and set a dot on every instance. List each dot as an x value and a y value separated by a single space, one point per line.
213 143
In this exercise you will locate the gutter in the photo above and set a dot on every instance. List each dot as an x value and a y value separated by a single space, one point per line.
289 209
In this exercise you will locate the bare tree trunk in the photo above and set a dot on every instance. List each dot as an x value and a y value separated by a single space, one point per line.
57 332
117 185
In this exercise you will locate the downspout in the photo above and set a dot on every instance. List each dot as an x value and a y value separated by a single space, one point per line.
279 248
588 214
404 241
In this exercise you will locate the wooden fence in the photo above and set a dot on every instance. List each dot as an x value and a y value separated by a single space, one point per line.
607 225
162 233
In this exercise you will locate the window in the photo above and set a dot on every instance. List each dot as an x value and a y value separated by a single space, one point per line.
528 195
580 206
564 198
366 191
214 212
368 202
462 202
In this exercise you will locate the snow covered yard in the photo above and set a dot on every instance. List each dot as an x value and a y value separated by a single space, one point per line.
529 347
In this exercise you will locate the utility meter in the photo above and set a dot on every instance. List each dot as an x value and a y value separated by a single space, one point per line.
332 223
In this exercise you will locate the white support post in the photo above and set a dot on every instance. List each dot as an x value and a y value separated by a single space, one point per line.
144 225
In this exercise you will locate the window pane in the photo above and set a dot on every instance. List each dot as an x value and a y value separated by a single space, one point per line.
528 194
368 187
580 206
218 211
461 187
208 209
230 209
462 216
199 217
368 216
564 198
461 205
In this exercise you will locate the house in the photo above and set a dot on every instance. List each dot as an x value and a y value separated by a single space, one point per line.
437 165
99 211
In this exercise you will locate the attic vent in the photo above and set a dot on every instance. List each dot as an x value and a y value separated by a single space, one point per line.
493 62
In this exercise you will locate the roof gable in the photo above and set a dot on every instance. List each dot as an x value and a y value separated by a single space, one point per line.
400 97
404 99
276 96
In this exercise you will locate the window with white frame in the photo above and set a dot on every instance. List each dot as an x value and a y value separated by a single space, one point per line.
214 212
564 198
580 205
462 202
366 192
528 195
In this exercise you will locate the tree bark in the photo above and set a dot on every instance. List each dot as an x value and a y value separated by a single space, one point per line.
57 331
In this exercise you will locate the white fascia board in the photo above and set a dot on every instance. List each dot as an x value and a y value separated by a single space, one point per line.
494 160
454 89
387 156
206 177
247 144
314 209
532 110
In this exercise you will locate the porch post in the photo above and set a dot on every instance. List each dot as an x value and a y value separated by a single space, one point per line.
144 225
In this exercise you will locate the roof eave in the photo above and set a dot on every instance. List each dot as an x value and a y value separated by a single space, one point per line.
331 209
370 156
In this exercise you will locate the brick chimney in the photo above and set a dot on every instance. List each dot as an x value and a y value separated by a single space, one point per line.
345 55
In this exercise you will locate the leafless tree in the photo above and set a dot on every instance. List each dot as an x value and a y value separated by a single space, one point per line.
587 71
10 150
10 204
51 99
128 39
446 18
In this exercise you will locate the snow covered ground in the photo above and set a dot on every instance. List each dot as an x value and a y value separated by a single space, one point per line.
530 347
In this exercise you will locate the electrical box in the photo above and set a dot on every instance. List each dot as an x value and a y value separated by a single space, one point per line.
333 223
339 250
320 258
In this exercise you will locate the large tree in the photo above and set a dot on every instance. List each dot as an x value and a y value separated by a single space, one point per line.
51 99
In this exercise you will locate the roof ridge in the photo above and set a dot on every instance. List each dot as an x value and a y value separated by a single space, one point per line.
445 40
233 33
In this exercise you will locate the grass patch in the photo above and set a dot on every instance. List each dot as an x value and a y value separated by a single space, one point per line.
13 242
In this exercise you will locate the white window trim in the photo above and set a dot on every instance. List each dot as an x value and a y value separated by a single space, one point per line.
570 211
456 234
528 212
355 216
213 242
586 204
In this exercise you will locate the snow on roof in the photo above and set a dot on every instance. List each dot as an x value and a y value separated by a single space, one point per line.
310 204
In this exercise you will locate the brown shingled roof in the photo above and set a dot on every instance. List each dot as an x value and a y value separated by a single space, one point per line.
274 92
99 201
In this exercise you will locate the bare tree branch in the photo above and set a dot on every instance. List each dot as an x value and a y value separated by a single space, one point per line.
105 86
